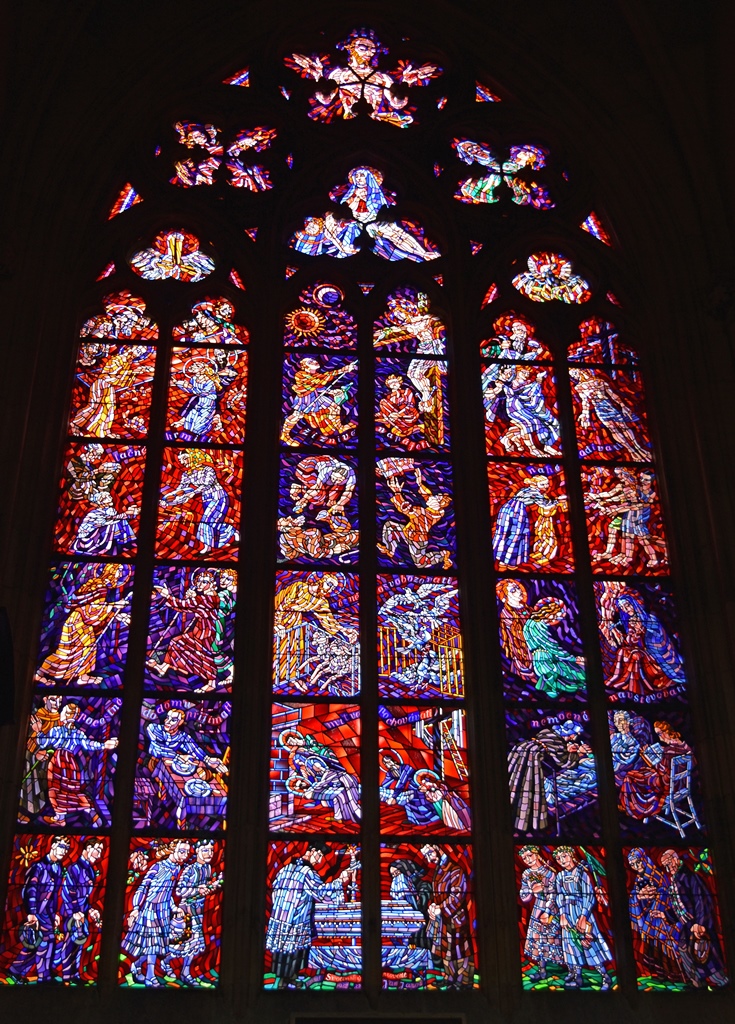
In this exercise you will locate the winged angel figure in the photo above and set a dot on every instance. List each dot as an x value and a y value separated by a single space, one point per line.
551 276
415 614
342 88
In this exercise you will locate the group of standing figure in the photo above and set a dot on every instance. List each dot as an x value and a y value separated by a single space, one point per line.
166 920
563 928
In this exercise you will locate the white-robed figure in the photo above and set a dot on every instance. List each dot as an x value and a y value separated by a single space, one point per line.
296 890
543 934
154 908
200 478
195 883
582 941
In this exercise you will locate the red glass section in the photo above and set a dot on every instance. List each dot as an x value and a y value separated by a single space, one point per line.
112 390
181 947
424 786
624 521
564 918
674 912
319 883
101 491
610 415
207 395
315 768
54 875
528 506
199 507
428 916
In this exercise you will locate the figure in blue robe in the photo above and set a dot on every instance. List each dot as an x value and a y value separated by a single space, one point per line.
582 941
41 897
399 786
512 530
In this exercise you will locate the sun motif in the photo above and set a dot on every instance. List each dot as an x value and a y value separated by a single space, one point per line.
305 322
26 855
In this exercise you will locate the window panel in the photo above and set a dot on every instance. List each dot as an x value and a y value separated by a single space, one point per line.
191 629
124 318
405 418
419 637
212 323
172 921
112 391
70 761
609 415
540 640
599 344
639 639
677 933
319 401
552 773
99 506
408 326
428 916
564 918
317 509
323 952
514 339
207 396
531 529
415 513
52 874
315 768
199 510
656 773
316 634
521 416
84 630
181 778
321 320
624 521
423 755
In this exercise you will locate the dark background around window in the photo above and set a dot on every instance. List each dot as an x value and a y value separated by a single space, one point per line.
638 101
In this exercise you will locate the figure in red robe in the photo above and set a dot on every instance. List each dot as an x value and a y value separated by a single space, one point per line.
190 652
644 791
399 415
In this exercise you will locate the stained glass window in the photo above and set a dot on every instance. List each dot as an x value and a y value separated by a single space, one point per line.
412 408
316 759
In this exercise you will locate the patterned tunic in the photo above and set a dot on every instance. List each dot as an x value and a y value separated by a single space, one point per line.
187 890
154 899
543 939
575 897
